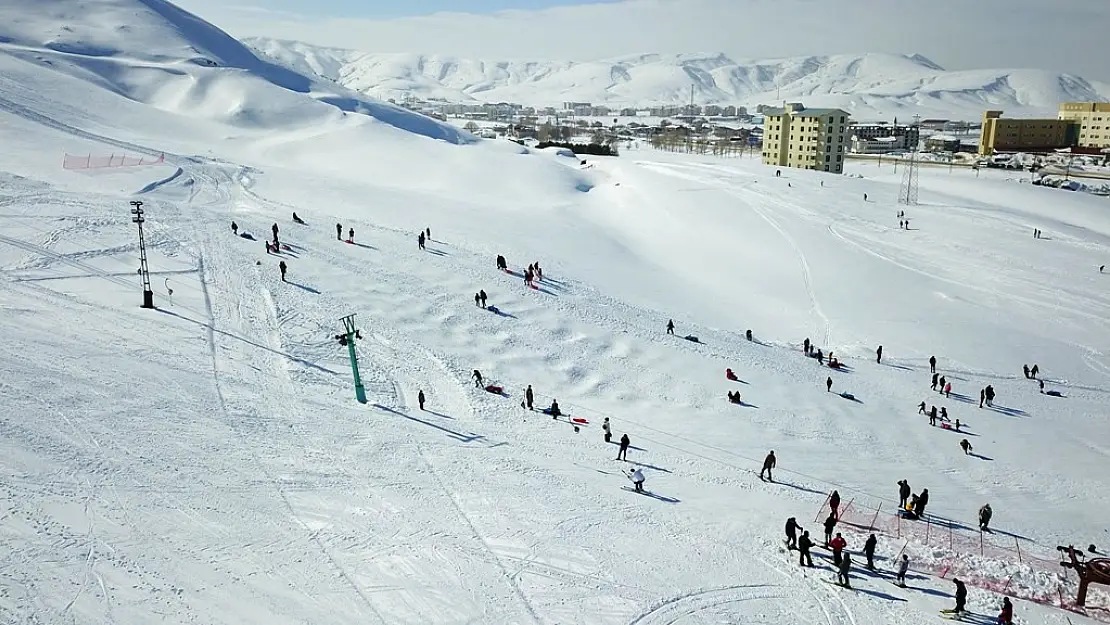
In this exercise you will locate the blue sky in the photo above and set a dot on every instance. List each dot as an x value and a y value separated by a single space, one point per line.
386 9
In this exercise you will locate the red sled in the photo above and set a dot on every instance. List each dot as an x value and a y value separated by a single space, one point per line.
497 390
579 420
350 241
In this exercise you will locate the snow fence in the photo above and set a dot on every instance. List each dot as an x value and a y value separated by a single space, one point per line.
89 161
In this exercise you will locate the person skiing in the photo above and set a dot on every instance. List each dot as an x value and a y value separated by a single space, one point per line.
420 398
830 526
622 453
282 268
804 545
607 429
828 384
805 346
350 235
670 326
338 232
966 446
834 503
234 228
792 528
879 355
903 493
297 220
845 567
768 464
961 596
837 545
921 408
903 566
554 409
985 514
936 376
482 296
528 398
637 477
477 375
1034 371
869 551
420 240
932 364
1006 616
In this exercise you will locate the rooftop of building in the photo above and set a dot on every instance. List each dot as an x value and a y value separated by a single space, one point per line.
778 112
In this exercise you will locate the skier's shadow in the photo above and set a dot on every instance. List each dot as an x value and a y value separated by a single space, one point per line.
439 414
304 288
962 398
436 252
500 313
980 456
880 595
649 466
799 487
1010 412
363 246
633 447
464 438
902 367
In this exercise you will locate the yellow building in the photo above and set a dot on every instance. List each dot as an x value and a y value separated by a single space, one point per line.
1024 135
795 136
1093 119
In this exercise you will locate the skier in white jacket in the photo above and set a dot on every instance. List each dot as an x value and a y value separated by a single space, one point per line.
903 566
637 477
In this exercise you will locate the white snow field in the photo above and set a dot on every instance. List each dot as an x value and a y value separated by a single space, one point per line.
206 462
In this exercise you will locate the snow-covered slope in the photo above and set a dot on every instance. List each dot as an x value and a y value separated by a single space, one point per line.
155 53
869 85
206 461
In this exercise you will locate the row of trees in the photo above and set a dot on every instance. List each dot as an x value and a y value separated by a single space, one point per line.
594 149
679 142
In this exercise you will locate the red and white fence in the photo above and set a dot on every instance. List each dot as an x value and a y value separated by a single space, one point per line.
72 161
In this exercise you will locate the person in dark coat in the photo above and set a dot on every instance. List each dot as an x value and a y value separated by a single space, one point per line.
932 364
768 464
477 375
869 551
501 263
941 383
554 409
843 570
274 229
234 228
932 415
477 299
1034 371
820 356
792 528
804 545
670 326
828 384
982 396
622 453
420 398
1006 617
921 408
282 268
879 355
529 397
922 501
936 377
834 503
338 232
985 514
961 596
1025 370
420 241
903 493
608 430
482 296
830 525
351 234
805 346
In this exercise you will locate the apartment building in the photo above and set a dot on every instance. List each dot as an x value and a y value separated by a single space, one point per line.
911 135
1093 119
794 136
1025 135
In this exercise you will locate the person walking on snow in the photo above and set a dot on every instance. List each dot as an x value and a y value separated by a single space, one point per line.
932 364
1034 371
834 503
805 346
948 389
622 453
235 230
1006 616
637 477
768 464
869 551
420 398
428 233
607 429
936 376
1025 370
921 408
477 375
982 396
838 544
903 493
282 268
477 299
830 526
670 326
844 569
274 228
482 296
985 514
539 272
966 446
879 355
350 235
943 413
420 240
903 566
828 384
922 501
932 415
338 232
940 385
792 528
804 545
529 398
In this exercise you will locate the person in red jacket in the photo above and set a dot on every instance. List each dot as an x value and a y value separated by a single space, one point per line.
1006 617
837 544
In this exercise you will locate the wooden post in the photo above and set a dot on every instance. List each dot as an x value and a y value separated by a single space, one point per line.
981 552
949 536
822 508
871 528
1018 546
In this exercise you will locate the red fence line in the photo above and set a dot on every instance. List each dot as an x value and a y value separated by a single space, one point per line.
71 161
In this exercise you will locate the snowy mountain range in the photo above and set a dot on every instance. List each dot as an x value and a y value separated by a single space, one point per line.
869 85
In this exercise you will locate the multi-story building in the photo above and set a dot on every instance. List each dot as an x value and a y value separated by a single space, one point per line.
879 145
795 136
910 135
1093 119
1025 135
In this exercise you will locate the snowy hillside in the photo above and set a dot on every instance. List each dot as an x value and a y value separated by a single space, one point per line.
207 462
869 85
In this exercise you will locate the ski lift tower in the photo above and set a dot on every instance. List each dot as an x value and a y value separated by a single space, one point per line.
350 334
137 217
907 193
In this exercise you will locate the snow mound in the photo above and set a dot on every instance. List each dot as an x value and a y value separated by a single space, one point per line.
153 52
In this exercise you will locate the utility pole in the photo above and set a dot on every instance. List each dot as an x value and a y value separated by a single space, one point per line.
348 338
137 217
908 193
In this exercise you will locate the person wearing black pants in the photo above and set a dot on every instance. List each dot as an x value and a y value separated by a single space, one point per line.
338 232
420 399
282 267
804 545
528 397
869 551
622 453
